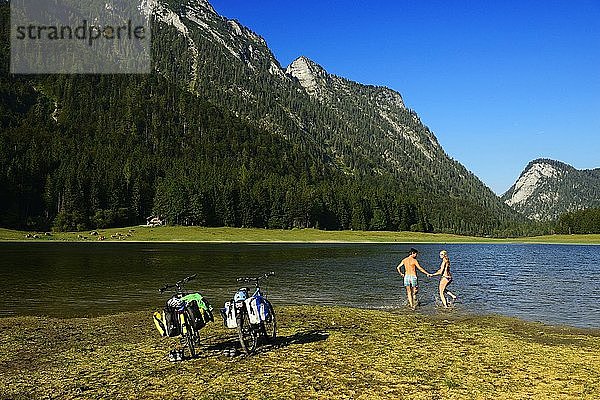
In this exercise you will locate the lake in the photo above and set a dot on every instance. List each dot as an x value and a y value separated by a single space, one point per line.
555 284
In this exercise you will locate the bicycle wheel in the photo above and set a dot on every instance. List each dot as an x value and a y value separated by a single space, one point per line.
246 333
190 335
269 326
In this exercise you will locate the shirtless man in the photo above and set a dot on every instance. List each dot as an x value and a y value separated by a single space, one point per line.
410 264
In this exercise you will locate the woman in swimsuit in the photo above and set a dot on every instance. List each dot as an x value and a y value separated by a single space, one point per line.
444 271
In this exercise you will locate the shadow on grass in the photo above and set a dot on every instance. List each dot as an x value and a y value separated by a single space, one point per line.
299 338
306 337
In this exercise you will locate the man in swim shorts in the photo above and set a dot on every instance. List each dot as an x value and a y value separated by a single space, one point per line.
411 264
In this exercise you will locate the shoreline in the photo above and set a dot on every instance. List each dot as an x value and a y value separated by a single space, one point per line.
320 352
452 314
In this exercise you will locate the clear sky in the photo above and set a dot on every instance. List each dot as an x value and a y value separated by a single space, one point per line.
500 83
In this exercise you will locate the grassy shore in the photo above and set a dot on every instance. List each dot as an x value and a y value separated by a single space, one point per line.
321 353
200 234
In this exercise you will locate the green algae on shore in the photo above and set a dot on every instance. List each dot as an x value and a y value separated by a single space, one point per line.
321 352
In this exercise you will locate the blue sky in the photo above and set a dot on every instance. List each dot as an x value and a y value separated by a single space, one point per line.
500 83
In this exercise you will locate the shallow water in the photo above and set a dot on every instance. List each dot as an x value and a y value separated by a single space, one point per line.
555 284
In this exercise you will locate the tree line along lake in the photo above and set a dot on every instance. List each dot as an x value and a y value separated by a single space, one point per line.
550 283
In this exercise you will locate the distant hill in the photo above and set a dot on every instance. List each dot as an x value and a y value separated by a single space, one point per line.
548 188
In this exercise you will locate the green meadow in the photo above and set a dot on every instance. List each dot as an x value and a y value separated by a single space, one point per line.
201 234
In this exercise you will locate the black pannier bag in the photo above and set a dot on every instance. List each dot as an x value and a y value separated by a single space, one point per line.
171 322
199 317
206 309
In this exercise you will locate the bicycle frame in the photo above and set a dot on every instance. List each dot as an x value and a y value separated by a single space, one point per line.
183 323
186 319
241 313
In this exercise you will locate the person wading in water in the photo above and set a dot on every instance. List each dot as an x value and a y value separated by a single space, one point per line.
446 278
411 264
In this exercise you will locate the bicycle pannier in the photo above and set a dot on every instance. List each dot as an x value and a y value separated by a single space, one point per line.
158 322
257 310
229 315
170 322
198 317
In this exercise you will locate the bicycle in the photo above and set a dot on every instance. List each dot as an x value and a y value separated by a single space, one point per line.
184 315
252 316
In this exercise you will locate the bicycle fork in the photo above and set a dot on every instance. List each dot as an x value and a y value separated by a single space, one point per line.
183 324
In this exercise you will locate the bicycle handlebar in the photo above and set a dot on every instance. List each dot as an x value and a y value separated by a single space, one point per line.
189 278
256 279
178 284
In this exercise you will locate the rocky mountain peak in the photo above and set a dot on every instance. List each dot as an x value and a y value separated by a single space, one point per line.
195 5
548 188
198 5
532 177
205 4
310 74
305 63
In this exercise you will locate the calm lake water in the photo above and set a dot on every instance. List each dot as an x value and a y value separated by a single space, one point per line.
556 284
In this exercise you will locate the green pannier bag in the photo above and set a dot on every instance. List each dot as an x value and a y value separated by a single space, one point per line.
199 309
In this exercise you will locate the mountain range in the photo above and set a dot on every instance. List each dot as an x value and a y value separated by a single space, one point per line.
548 188
363 129
221 134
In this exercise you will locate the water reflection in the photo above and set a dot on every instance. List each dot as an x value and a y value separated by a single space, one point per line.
549 283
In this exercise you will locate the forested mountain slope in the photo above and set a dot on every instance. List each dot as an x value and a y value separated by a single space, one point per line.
366 131
220 134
